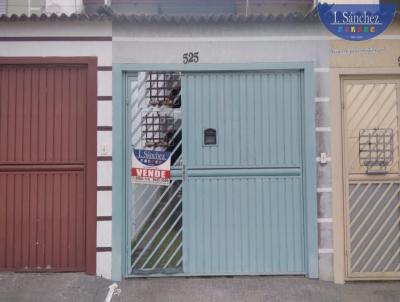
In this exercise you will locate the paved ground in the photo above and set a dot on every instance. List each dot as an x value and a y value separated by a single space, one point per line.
79 287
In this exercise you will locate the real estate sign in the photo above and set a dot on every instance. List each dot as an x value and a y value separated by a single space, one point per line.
356 22
151 167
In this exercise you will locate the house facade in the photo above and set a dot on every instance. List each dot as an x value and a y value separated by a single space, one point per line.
264 112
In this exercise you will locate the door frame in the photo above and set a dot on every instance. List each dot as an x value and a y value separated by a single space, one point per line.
91 147
339 177
120 180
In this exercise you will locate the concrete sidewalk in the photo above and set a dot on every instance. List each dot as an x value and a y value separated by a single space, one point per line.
79 287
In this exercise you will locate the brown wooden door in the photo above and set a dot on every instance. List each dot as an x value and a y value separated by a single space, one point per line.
43 167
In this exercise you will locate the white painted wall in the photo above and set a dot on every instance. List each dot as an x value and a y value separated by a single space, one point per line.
222 43
237 43
64 6
103 51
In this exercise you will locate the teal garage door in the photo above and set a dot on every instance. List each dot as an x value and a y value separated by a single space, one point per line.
243 207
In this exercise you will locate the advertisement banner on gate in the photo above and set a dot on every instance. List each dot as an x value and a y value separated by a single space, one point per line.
151 167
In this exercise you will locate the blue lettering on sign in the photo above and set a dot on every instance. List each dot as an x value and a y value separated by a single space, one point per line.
356 22
151 157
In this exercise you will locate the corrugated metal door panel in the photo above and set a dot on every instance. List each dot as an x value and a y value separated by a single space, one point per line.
244 226
242 198
42 218
42 167
256 115
41 114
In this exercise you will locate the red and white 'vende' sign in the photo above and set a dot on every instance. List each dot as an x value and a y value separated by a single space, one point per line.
151 167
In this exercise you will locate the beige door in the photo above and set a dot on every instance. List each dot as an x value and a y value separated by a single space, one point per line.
371 173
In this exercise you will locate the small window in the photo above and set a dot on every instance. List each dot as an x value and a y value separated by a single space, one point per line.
210 136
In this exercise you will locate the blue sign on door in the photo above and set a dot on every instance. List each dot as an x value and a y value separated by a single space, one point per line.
356 22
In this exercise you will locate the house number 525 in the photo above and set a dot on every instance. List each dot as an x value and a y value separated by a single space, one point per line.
190 57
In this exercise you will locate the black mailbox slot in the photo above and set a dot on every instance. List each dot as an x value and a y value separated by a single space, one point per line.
210 136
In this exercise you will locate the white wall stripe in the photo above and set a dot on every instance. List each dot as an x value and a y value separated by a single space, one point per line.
104 203
323 129
324 190
104 113
239 38
321 69
104 173
104 83
223 39
322 100
325 220
328 159
103 264
104 143
104 234
325 251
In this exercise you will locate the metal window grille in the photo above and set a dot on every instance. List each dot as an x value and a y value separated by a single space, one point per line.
157 128
163 88
376 148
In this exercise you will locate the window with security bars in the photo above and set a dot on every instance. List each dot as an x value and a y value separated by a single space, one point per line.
163 89
158 128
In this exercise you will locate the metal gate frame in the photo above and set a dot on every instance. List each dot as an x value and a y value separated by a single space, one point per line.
338 184
121 179
349 275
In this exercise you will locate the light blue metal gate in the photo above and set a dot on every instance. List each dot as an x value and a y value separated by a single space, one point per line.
243 209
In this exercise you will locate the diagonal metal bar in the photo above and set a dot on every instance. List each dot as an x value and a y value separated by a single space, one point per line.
380 214
140 82
362 118
377 233
354 99
354 190
167 248
353 159
369 214
374 238
162 240
137 101
397 269
369 200
360 197
155 234
178 161
388 249
136 114
158 215
351 101
176 147
396 254
175 134
149 198
377 248
349 88
179 247
158 201
142 193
